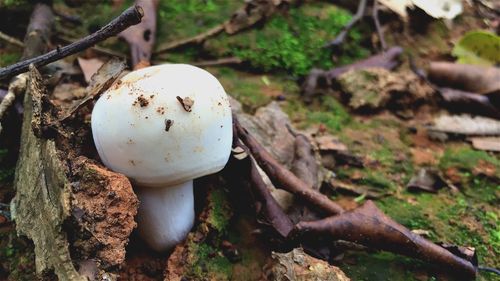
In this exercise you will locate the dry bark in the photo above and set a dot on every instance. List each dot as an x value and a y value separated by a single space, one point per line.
71 219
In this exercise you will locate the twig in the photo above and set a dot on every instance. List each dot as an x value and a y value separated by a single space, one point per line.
489 269
283 178
197 39
129 17
369 226
11 40
267 206
16 87
377 25
335 43
102 50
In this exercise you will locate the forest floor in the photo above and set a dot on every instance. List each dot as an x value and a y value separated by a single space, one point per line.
276 55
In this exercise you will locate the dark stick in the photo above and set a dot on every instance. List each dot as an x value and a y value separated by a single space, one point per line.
377 25
269 209
335 43
129 17
283 178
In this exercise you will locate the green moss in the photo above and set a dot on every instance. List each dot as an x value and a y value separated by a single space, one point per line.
293 42
247 89
381 266
7 58
209 262
327 111
220 213
184 18
465 158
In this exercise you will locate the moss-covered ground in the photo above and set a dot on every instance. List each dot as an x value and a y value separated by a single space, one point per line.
276 54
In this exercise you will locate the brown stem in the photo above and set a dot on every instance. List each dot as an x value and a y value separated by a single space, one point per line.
283 178
369 226
129 17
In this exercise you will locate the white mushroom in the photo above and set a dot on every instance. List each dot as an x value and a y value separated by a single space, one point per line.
163 126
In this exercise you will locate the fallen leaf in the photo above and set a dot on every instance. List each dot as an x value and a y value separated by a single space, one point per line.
486 143
478 47
329 143
141 37
89 67
466 125
447 9
485 168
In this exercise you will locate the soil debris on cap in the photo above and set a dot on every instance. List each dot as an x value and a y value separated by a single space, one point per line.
142 101
186 103
168 124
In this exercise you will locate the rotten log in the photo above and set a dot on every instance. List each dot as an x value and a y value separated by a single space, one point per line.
367 225
61 225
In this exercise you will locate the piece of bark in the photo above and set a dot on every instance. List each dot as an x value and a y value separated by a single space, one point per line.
369 226
318 80
283 178
48 189
297 265
105 76
142 37
470 78
426 180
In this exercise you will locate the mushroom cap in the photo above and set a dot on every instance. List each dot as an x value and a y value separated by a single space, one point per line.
143 126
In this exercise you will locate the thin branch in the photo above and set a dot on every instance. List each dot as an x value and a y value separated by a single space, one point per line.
377 25
98 49
335 43
283 178
11 40
129 17
191 40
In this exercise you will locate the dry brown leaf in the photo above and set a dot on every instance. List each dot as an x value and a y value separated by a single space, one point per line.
89 67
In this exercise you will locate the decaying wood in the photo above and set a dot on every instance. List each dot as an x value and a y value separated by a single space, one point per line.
283 178
369 226
46 198
129 17
471 78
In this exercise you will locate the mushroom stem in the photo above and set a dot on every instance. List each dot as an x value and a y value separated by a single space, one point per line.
165 215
